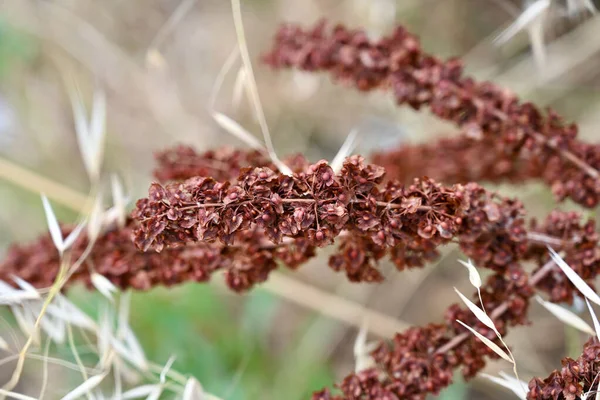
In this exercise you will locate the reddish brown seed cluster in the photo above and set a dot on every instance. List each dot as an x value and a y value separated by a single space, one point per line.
574 379
209 226
370 218
182 162
484 111
579 243
492 231
373 219
409 222
459 159
422 360
225 163
115 257
412 365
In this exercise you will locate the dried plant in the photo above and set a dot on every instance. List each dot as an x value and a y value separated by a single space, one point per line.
575 378
414 221
485 112
239 212
182 162
459 159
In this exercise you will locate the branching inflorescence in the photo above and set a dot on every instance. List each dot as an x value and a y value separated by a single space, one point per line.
245 225
233 211
116 258
182 162
316 205
575 378
373 219
490 216
511 129
458 159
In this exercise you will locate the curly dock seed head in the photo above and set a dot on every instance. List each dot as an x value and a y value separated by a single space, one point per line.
483 110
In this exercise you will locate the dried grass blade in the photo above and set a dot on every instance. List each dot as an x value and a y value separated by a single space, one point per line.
252 87
237 130
519 385
53 226
516 389
82 129
4 344
527 17
73 235
575 279
85 387
347 147
15 395
566 316
239 88
479 313
193 390
63 308
94 227
165 370
104 286
119 200
97 130
474 277
17 297
594 318
493 346
140 391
